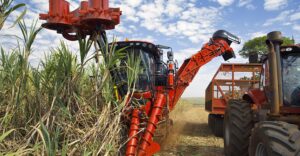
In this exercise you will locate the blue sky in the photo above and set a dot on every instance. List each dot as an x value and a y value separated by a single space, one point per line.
182 24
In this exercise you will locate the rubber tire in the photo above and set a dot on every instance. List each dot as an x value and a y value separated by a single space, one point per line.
278 138
210 121
215 124
218 126
238 122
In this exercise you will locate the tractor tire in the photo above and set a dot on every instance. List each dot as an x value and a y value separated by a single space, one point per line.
218 126
215 124
210 121
275 138
238 122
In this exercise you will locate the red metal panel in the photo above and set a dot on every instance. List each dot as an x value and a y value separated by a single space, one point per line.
133 134
191 66
237 86
258 96
290 110
218 106
90 16
146 141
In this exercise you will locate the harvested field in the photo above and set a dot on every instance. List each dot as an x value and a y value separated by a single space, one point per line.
190 134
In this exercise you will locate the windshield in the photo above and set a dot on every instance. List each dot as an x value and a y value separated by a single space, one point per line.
145 80
291 79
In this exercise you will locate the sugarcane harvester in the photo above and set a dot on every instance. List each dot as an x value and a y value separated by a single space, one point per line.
159 85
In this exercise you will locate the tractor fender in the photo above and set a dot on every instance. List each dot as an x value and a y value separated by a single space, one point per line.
255 96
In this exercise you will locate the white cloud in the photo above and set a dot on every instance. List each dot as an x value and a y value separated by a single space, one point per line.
180 18
246 3
129 13
193 23
173 7
295 16
152 10
40 5
133 3
122 29
271 5
183 54
283 16
296 27
225 2
257 34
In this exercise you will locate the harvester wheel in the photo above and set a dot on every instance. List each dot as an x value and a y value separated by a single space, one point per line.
238 123
218 126
215 124
210 121
275 138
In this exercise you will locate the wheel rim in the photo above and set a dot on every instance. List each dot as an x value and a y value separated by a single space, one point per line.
261 150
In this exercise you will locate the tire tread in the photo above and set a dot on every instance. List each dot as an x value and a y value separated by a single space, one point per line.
283 138
240 123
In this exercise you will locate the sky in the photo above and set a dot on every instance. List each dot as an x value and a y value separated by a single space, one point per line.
184 25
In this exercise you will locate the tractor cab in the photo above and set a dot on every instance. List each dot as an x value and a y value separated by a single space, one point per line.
290 74
152 69
290 56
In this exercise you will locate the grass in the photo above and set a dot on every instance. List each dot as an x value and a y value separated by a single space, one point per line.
66 105
193 100
6 8
190 132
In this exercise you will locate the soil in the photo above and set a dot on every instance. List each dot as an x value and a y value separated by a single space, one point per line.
190 135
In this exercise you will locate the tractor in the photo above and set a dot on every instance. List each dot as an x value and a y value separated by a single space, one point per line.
265 122
160 84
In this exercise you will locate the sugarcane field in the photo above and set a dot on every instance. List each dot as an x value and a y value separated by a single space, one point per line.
150 78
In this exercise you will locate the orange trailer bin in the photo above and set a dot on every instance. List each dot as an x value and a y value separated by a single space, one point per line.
231 81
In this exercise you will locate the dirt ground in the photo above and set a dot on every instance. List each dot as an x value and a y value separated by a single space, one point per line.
190 135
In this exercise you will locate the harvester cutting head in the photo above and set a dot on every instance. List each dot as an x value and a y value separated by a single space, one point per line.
92 16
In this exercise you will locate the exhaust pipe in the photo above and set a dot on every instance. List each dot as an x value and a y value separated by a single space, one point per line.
274 41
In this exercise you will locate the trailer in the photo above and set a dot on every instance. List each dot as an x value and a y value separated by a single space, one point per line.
231 81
